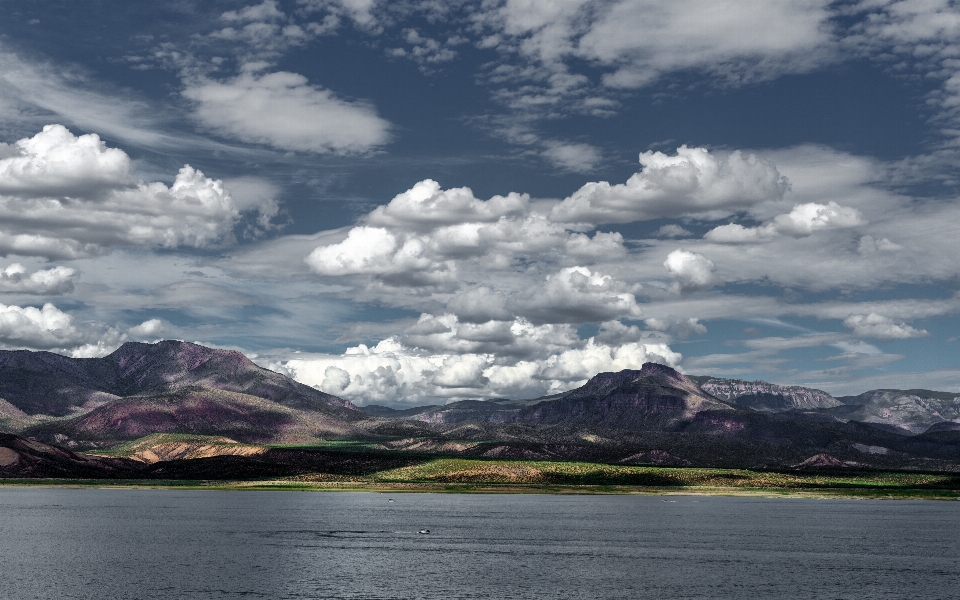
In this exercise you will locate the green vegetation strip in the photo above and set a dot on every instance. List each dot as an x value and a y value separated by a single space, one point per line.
454 470
518 476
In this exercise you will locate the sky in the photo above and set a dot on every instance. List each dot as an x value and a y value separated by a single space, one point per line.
422 201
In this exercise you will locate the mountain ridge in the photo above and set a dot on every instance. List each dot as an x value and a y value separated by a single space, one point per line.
654 414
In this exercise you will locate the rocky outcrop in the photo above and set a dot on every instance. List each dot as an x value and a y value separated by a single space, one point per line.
769 397
819 461
912 410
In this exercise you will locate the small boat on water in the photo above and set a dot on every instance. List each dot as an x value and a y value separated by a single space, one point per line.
424 531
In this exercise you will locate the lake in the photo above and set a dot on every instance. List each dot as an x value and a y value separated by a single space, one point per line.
146 544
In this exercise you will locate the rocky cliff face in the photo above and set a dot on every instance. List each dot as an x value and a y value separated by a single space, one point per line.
912 410
769 397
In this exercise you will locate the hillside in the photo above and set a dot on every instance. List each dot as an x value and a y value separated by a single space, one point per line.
235 412
167 387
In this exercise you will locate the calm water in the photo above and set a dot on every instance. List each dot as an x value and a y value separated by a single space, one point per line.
171 544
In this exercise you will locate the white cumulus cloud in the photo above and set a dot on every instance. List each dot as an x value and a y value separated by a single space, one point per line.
149 328
880 327
577 295
802 221
694 181
691 271
65 197
46 282
49 328
55 162
427 205
394 372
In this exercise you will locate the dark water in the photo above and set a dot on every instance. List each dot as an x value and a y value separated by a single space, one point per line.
137 544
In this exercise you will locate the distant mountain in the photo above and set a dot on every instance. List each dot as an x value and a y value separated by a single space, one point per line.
764 396
496 410
657 415
200 411
167 387
655 397
174 402
50 384
912 410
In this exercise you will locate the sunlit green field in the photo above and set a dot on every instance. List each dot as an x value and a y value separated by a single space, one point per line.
518 476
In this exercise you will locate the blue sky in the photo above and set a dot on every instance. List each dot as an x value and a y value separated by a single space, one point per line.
411 202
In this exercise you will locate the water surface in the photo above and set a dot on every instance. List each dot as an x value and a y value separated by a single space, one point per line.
153 544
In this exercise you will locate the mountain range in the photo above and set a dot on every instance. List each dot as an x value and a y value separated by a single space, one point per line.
177 409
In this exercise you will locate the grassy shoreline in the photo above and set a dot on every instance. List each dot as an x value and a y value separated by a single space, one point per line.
434 488
457 475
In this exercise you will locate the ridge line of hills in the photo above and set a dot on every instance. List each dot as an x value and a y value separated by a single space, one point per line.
216 405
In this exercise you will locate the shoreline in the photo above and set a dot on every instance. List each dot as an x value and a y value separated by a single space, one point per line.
280 485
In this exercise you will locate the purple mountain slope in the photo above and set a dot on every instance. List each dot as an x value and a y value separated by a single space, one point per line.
43 383
655 397
29 458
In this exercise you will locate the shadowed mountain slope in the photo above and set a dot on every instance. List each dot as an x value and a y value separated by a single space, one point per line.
199 411
167 387
49 384
655 397
29 458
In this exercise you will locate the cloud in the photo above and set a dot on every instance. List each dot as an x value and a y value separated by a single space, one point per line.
869 245
690 271
683 328
395 373
427 52
694 181
283 111
370 250
427 236
636 42
45 282
49 328
258 196
576 295
480 305
517 338
578 158
672 231
361 12
880 327
34 93
923 36
366 249
149 328
734 42
426 205
802 221
62 197
264 11
55 162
